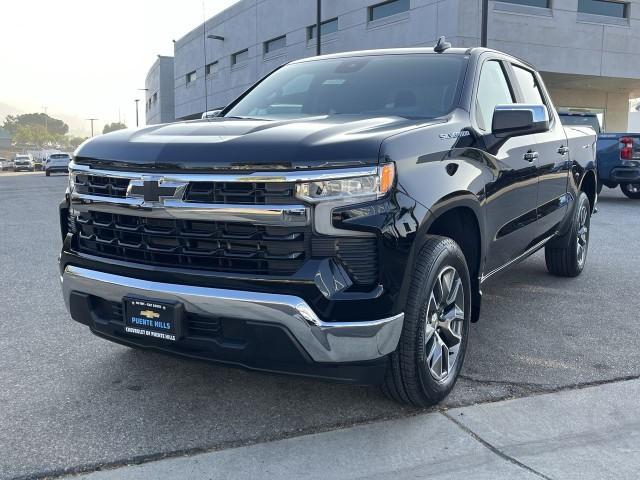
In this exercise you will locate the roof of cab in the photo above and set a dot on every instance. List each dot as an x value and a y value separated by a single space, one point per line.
386 51
411 50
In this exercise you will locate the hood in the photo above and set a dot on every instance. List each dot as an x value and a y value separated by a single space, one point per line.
248 144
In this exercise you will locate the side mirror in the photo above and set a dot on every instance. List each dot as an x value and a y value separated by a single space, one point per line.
519 119
211 113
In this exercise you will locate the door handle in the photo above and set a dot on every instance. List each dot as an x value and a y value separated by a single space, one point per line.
563 150
530 156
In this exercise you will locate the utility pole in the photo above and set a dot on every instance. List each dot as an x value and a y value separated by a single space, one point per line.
137 118
318 26
92 120
484 22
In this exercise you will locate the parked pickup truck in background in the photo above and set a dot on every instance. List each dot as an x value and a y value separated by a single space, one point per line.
618 159
584 119
336 220
23 163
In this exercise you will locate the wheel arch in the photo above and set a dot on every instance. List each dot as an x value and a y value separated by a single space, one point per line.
459 216
589 185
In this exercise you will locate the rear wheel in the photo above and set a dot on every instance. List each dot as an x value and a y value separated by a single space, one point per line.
631 190
567 256
425 367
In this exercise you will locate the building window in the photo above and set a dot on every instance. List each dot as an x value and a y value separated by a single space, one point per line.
240 57
326 27
530 3
387 9
211 68
191 77
604 7
275 44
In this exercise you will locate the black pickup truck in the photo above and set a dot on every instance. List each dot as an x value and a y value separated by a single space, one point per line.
337 220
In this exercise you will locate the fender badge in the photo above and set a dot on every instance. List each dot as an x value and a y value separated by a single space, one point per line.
445 136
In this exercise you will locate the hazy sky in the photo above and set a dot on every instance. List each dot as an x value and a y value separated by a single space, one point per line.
87 58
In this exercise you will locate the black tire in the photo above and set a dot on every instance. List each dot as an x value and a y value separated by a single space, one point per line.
409 378
563 257
631 190
47 173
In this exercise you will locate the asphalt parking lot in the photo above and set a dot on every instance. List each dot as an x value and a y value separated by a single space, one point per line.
72 402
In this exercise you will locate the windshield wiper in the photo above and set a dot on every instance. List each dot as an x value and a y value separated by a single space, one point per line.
247 118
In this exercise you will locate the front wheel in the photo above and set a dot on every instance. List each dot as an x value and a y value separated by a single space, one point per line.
567 256
431 350
631 190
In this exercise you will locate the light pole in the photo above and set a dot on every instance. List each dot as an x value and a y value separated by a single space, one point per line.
137 100
206 87
146 90
318 25
484 21
92 120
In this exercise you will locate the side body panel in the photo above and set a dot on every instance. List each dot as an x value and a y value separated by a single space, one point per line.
582 156
553 170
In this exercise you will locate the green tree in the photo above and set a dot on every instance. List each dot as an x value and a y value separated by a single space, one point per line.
112 127
34 135
51 125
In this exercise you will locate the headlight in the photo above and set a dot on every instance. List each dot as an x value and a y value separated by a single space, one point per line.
369 187
72 180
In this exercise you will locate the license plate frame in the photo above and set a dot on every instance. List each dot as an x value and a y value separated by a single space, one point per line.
153 319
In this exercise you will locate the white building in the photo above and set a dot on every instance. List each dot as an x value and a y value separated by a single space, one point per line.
159 102
587 50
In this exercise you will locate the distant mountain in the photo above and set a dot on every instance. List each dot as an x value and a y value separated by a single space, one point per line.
77 126
6 109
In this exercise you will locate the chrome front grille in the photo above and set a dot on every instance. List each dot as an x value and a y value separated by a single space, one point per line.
238 223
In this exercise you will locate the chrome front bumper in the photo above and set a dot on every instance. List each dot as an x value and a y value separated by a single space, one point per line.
324 341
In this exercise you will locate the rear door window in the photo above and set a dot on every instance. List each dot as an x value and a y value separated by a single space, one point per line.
528 86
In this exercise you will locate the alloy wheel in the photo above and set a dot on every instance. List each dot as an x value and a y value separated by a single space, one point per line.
444 322
583 235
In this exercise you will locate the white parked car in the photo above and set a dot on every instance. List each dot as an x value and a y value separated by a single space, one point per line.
23 163
5 164
57 162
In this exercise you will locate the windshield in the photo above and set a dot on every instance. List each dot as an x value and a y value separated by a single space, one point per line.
581 120
58 156
420 85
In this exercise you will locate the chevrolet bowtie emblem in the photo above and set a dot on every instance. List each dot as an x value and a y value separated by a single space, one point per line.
150 314
151 190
